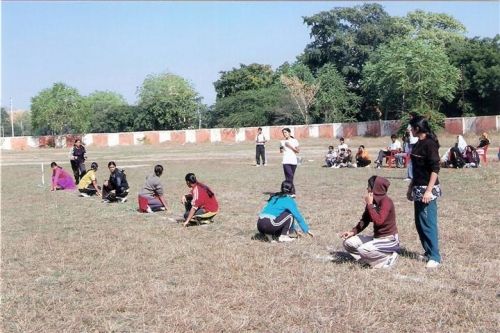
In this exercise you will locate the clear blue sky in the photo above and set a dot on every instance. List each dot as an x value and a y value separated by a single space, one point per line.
115 45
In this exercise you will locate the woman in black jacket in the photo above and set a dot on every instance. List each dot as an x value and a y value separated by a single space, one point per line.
116 187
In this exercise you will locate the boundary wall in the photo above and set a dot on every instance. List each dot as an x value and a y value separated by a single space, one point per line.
235 135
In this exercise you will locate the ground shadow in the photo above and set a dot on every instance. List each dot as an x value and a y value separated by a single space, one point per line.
405 253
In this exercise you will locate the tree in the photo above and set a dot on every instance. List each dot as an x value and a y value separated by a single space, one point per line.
108 112
334 102
59 110
167 101
479 89
345 37
407 73
247 77
302 93
265 106
438 28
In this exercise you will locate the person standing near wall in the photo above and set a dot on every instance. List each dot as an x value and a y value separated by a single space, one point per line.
289 148
260 148
424 189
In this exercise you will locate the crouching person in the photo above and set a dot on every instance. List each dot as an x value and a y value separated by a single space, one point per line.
116 187
88 184
277 217
201 204
151 195
381 249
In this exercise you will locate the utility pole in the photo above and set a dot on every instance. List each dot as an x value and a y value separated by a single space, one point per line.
11 118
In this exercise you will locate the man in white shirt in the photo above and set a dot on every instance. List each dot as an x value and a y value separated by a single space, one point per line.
395 146
289 148
342 145
260 148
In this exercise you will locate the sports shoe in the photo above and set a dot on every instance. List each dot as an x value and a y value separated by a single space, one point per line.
257 165
407 179
105 201
391 261
292 195
285 238
84 195
432 264
123 200
149 210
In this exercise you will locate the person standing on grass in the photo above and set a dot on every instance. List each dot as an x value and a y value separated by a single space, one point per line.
277 217
260 148
116 187
61 179
88 184
200 203
381 249
289 148
151 195
77 156
424 188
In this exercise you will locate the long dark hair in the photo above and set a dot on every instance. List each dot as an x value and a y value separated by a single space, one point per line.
289 131
286 189
421 125
158 170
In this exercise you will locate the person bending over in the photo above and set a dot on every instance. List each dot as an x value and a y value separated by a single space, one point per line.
116 187
277 217
381 249
61 179
88 184
151 195
201 203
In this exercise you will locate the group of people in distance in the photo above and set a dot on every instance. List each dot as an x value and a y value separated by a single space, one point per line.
279 216
462 155
200 204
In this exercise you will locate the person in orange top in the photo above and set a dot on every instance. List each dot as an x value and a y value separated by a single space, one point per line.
362 157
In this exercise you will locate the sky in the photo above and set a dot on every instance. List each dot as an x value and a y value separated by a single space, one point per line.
115 45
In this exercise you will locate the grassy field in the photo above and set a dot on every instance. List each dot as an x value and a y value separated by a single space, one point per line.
73 264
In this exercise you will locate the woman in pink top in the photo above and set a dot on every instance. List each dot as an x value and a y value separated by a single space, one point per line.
61 179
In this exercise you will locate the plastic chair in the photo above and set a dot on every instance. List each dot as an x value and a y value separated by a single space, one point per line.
482 152
390 159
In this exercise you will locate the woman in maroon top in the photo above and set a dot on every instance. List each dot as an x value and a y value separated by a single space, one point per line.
200 203
381 249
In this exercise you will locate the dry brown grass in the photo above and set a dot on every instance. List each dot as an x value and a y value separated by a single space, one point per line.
78 265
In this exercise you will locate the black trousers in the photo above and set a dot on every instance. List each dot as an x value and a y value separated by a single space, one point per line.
108 195
362 162
188 205
260 153
90 190
289 170
78 169
277 227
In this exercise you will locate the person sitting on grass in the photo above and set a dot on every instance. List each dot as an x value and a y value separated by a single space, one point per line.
362 157
342 144
395 146
277 217
201 204
330 157
340 159
88 184
116 187
61 179
151 195
381 249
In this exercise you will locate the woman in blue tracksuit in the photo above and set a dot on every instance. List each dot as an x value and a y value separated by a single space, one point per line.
277 217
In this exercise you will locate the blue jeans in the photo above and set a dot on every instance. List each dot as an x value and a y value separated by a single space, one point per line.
426 223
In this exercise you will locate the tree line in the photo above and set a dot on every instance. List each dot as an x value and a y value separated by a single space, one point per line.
361 64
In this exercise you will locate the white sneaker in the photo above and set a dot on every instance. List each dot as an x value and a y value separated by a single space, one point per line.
105 201
123 200
391 261
285 238
407 179
149 210
432 264
257 165
84 195
265 164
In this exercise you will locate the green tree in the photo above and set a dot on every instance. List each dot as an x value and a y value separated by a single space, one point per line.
407 73
167 101
345 37
437 28
247 77
109 112
59 110
478 60
265 106
334 102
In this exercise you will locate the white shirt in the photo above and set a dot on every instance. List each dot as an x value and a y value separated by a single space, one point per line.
289 156
260 139
413 139
396 145
344 145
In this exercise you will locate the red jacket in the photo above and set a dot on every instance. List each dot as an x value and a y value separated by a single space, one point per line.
204 198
